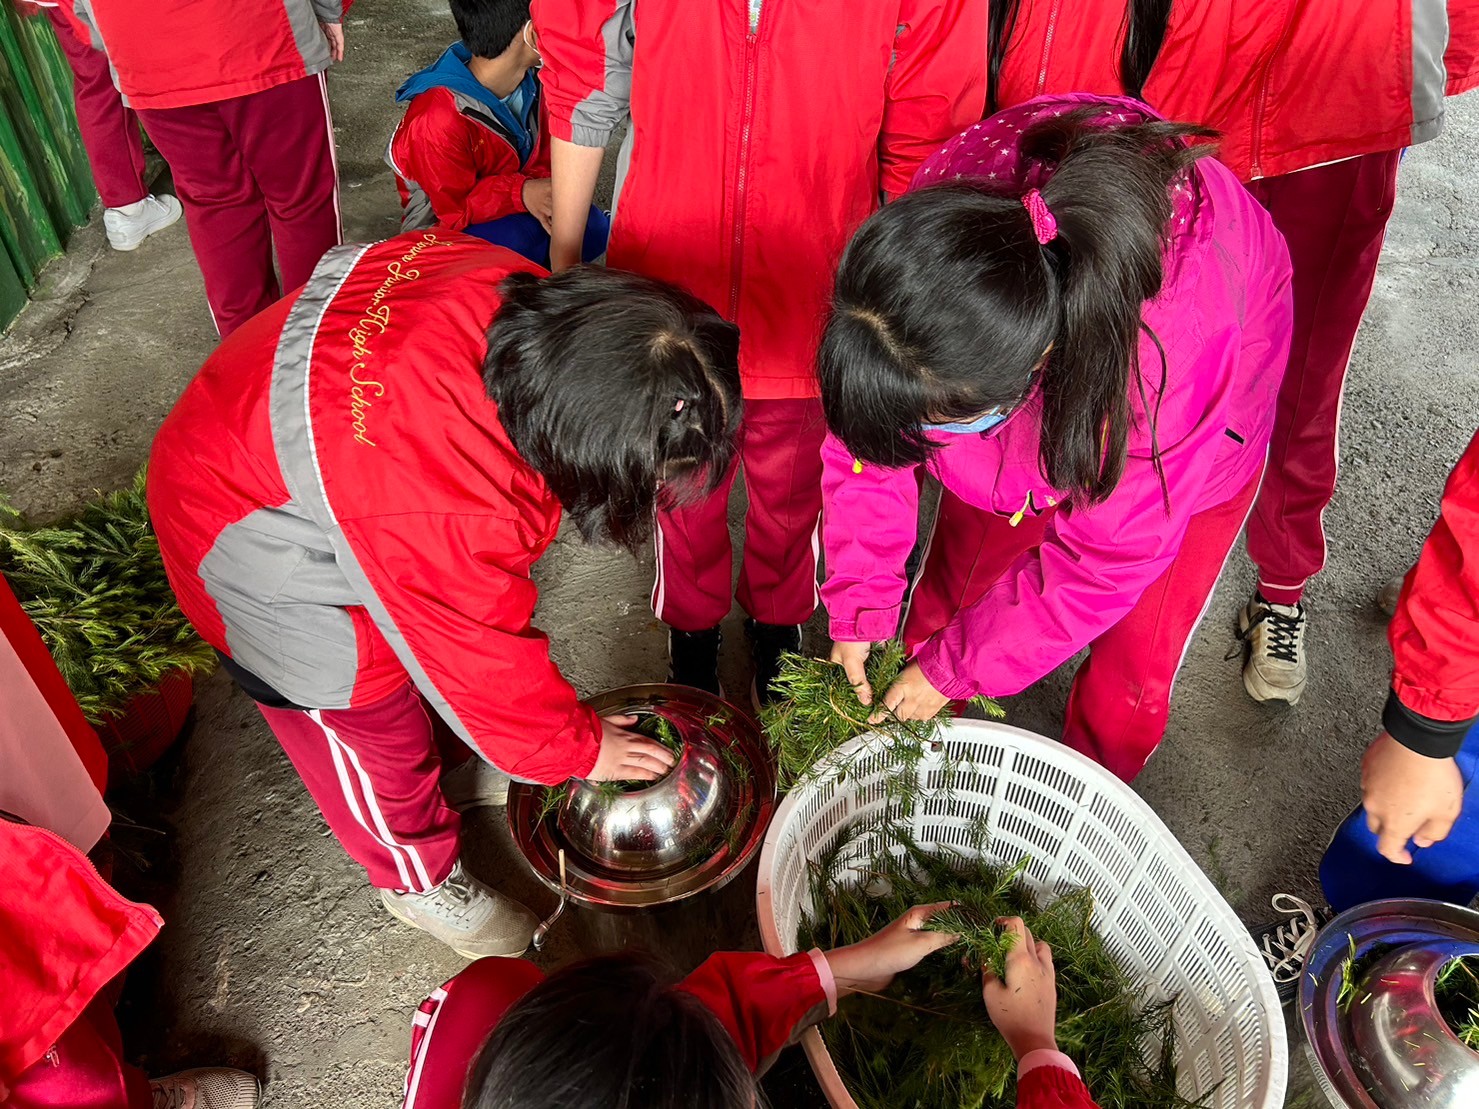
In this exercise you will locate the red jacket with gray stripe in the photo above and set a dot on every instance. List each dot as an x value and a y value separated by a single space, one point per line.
753 153
176 53
1290 83
340 510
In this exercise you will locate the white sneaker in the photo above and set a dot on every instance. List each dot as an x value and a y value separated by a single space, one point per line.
474 784
130 225
1275 670
206 1088
466 915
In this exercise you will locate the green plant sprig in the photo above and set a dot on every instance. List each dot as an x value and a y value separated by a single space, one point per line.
95 587
926 1041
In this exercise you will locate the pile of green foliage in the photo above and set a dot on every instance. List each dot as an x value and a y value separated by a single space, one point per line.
816 710
94 585
926 1042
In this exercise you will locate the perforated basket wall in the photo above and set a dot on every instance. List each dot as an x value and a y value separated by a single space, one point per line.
1081 827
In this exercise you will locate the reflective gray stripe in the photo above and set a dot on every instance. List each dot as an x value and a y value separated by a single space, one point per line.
416 212
276 583
1429 75
292 436
308 36
597 117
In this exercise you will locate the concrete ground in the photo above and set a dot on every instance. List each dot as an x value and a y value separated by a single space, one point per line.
277 955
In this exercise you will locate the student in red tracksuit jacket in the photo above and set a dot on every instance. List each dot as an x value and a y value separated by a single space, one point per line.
232 93
350 497
1417 832
470 153
609 1032
761 134
111 137
1315 102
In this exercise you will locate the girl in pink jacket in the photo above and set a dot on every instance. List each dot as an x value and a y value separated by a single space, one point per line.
1078 326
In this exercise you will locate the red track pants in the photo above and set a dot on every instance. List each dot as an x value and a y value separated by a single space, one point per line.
780 444
1121 695
253 172
84 1070
373 772
110 132
1334 218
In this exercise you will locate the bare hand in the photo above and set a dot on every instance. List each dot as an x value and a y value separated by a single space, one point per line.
539 201
869 966
911 697
1024 1008
334 32
627 755
853 658
1408 797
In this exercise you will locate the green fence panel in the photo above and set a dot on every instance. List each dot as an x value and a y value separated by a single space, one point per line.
46 186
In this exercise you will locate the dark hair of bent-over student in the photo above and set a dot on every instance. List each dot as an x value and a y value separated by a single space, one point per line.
945 303
1143 26
488 27
609 1034
619 390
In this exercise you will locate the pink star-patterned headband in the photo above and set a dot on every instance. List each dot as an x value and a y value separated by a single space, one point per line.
1044 225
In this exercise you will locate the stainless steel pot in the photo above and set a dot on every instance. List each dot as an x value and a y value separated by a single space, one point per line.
693 830
1380 1042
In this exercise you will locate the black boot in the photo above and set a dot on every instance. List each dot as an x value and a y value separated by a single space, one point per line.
693 659
767 643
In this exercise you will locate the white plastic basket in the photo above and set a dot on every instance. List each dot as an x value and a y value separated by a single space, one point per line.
1080 826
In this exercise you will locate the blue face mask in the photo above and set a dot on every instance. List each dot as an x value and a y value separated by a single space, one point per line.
975 427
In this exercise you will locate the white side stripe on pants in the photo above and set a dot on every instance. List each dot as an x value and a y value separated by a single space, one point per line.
401 853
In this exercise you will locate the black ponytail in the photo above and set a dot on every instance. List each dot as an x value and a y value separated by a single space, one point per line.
1110 198
945 303
1001 21
1145 26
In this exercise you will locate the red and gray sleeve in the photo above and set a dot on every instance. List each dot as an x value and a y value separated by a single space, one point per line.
764 1002
1434 636
587 48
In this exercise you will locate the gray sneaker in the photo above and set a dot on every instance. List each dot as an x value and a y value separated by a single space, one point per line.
206 1088
474 784
1276 666
466 915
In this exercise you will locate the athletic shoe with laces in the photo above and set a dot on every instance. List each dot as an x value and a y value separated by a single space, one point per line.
1285 944
1275 669
130 225
206 1088
466 915
693 659
476 783
767 643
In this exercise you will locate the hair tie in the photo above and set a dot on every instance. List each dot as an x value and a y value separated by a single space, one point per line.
1044 225
677 408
